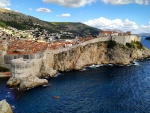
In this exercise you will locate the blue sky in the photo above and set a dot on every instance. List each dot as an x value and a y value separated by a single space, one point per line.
125 15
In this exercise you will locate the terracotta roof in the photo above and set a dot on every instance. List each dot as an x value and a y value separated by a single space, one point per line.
26 47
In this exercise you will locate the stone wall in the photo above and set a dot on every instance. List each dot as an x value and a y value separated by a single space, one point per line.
24 68
125 39
2 53
9 58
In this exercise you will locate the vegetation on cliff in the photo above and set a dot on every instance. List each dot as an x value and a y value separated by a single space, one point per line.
135 44
3 69
111 44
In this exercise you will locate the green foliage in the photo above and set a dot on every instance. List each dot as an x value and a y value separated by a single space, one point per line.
139 45
76 28
20 26
3 69
111 44
124 47
134 44
130 45
2 24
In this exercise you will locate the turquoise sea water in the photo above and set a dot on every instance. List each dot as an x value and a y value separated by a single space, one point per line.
101 89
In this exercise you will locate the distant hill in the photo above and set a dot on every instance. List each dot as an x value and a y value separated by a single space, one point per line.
24 22
77 28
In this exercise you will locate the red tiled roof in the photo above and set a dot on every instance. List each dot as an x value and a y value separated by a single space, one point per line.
26 47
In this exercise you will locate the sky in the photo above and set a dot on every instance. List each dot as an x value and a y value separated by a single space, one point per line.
125 15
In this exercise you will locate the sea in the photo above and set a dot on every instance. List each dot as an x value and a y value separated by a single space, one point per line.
95 89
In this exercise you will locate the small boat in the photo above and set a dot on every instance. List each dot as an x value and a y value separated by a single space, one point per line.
56 97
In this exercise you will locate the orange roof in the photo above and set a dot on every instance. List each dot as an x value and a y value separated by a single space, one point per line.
26 47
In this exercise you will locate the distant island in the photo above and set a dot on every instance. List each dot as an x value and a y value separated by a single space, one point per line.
147 38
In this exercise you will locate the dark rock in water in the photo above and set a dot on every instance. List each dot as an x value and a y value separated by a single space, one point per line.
5 107
147 38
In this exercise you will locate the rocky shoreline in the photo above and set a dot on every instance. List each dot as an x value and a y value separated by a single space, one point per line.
5 107
77 58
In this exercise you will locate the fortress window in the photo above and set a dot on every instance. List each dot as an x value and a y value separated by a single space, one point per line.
26 56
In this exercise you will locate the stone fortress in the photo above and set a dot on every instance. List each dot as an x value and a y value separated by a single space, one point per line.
26 57
30 64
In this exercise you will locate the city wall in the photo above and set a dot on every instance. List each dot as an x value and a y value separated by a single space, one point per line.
25 67
2 54
125 39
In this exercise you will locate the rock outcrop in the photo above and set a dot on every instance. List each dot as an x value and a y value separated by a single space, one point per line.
5 107
26 83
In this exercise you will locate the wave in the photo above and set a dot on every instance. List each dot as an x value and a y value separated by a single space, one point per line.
92 66
84 69
135 62
13 107
47 85
57 74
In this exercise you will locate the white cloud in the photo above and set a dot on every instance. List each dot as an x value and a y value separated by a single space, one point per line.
143 29
115 2
64 15
124 25
7 8
4 3
70 3
43 10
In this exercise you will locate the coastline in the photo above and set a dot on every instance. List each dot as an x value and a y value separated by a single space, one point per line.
77 58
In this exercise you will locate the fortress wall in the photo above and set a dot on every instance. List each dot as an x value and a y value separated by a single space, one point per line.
120 39
99 39
125 39
2 53
24 68
134 38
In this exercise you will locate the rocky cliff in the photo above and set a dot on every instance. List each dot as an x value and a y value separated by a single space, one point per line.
98 53
5 107
76 58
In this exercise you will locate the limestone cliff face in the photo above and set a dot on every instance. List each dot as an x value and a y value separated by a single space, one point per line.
96 53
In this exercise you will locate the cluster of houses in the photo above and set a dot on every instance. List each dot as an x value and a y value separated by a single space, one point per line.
37 34
114 33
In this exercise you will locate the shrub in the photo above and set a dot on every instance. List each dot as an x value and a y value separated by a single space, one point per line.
111 44
130 45
3 69
134 44
139 45
2 24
